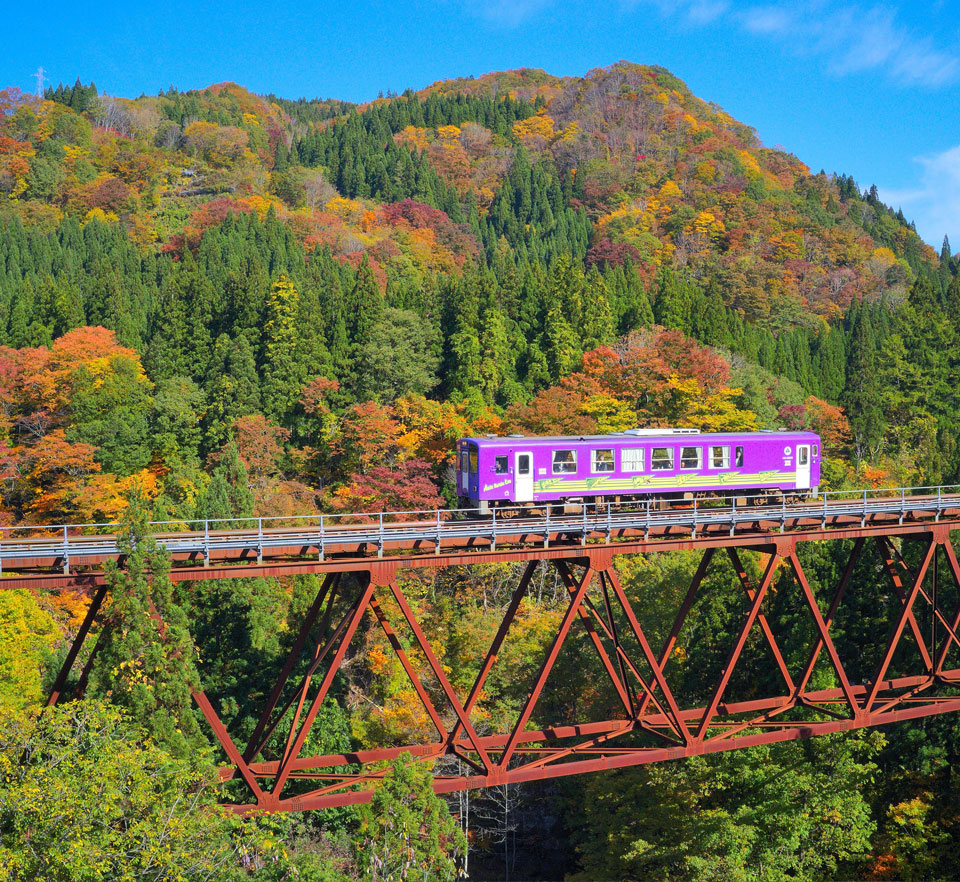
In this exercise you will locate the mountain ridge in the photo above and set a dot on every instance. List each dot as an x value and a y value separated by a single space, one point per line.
666 178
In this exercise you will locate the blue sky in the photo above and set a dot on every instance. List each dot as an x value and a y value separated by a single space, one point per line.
865 88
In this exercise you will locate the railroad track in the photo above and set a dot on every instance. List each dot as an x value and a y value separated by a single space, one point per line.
256 542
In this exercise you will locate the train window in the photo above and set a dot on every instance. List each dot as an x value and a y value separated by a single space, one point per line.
564 462
601 460
816 449
523 464
474 461
738 459
802 455
463 461
631 459
500 465
691 457
719 457
661 459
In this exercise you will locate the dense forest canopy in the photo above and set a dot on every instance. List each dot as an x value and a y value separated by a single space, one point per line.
215 304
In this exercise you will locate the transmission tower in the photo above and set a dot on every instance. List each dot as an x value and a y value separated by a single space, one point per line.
38 76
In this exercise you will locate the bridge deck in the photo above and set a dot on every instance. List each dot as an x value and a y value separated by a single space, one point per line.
55 556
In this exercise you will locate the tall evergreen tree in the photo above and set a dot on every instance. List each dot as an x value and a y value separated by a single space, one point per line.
147 661
281 367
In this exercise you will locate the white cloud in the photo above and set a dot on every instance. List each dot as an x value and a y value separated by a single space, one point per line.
934 204
772 20
865 40
695 12
849 38
703 12
922 63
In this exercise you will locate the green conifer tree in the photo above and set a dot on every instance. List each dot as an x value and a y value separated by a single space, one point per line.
282 369
147 661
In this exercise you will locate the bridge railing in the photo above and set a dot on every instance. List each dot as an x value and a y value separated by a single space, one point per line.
546 521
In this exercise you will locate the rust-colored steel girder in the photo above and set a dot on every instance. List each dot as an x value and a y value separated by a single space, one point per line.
648 719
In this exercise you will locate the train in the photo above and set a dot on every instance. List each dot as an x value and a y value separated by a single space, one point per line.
665 465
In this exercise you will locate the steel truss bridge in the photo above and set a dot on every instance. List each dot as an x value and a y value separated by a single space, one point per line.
361 557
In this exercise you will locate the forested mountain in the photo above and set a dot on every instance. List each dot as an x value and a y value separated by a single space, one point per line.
223 304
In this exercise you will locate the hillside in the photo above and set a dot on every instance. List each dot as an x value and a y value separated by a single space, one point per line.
662 176
216 306
468 243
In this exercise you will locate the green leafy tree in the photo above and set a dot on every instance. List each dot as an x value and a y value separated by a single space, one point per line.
496 355
85 796
794 810
364 305
560 345
406 830
175 421
399 357
111 410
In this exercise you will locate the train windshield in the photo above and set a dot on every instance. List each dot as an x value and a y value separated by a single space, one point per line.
474 460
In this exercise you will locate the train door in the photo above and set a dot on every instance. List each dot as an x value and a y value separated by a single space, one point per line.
464 473
803 466
523 476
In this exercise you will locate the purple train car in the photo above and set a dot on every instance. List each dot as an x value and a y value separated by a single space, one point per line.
515 470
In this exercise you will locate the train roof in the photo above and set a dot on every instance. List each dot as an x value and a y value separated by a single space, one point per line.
640 435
